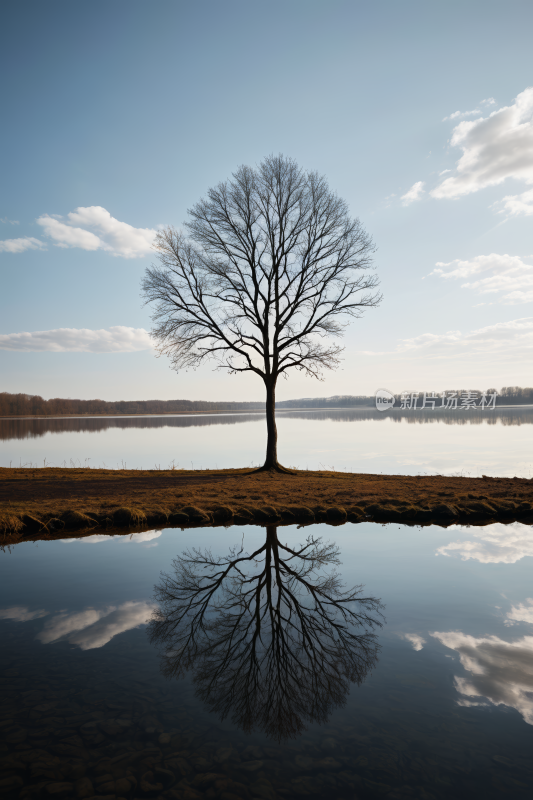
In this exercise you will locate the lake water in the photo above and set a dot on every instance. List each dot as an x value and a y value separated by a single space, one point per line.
438 705
472 443
129 669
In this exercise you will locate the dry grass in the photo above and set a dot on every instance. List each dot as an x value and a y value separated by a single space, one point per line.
40 503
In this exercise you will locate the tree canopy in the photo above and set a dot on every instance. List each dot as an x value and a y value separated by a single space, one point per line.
265 279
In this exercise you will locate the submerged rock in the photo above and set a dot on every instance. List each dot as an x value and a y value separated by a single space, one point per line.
59 789
84 788
148 784
11 784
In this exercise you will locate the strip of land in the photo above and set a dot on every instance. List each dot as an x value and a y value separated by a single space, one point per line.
51 503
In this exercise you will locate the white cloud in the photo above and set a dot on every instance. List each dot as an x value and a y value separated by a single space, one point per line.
93 228
494 148
504 341
515 204
117 339
520 613
493 273
20 245
94 628
490 101
21 614
492 544
7 221
414 193
69 236
458 114
501 672
417 641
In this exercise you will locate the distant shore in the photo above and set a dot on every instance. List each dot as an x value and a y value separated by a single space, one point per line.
257 411
50 503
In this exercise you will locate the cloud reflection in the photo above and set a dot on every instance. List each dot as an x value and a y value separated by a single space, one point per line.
417 641
492 544
499 672
21 614
93 627
520 613
130 538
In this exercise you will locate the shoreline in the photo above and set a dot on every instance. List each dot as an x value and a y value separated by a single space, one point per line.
258 411
50 503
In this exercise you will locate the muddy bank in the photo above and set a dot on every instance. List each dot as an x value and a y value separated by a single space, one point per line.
49 503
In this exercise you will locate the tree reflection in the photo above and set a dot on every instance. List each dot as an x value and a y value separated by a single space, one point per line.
273 638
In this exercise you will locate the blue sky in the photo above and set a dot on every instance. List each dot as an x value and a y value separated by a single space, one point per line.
118 116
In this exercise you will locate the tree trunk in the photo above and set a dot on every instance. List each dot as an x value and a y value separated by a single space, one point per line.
271 461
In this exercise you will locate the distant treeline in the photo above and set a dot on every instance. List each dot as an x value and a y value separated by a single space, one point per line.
18 405
24 405
508 396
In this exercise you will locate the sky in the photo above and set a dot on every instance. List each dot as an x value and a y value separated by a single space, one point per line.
119 115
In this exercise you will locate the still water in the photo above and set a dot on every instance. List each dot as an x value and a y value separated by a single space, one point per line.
228 662
472 443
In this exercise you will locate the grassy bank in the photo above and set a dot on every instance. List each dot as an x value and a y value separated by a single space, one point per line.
50 503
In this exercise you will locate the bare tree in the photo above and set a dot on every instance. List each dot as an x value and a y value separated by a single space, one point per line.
272 269
273 639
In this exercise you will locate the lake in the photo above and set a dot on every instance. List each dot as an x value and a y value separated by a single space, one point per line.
473 443
351 661
269 688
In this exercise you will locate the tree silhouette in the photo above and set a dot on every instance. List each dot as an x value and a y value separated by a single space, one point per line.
272 638
274 267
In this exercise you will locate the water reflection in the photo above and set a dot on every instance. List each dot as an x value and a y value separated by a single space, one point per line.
492 544
272 638
33 428
21 614
94 627
145 538
88 629
498 672
416 641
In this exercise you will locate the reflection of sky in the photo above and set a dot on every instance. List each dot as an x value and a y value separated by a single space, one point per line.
130 538
521 613
87 629
417 641
21 614
501 672
492 544
422 594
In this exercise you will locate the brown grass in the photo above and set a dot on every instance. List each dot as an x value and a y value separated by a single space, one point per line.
44 503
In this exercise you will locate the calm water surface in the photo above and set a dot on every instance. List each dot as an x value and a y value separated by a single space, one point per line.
254 691
495 442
